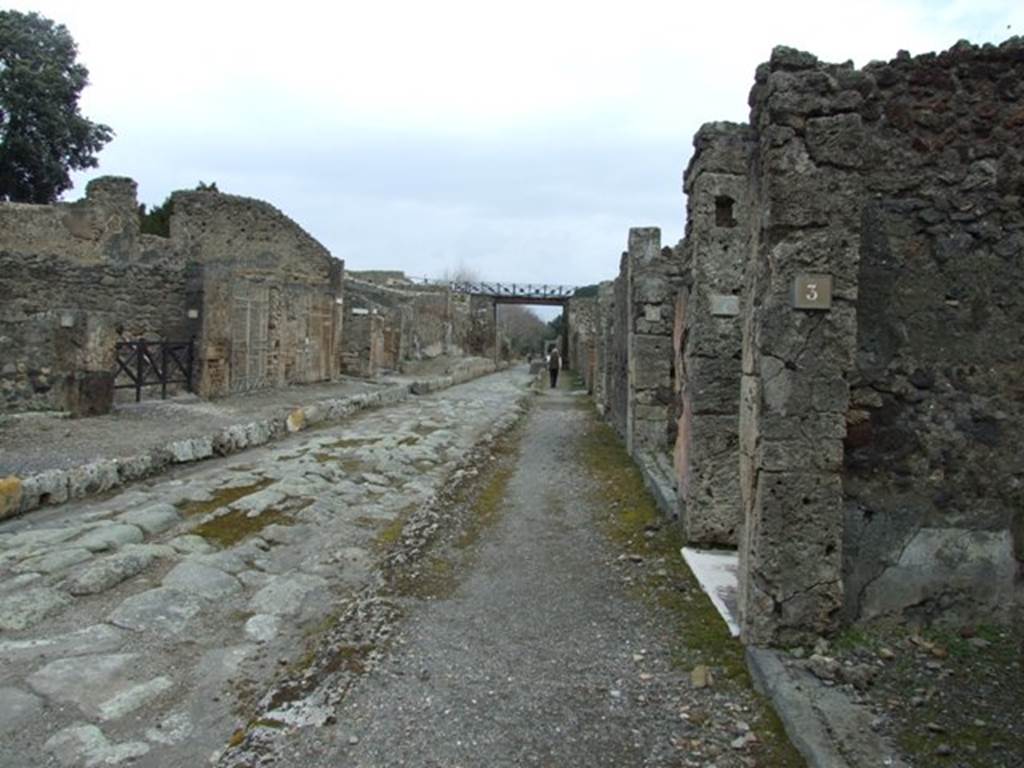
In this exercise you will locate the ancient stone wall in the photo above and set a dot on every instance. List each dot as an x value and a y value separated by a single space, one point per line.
260 294
416 321
933 476
481 338
617 371
267 293
708 334
582 359
604 330
364 350
650 294
878 471
796 363
845 321
75 278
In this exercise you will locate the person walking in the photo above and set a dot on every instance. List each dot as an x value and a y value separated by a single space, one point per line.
554 364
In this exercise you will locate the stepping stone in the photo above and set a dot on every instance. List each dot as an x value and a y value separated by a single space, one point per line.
111 570
191 544
131 699
262 627
173 729
52 562
284 595
162 611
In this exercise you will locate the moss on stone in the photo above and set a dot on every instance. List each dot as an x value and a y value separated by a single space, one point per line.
230 528
633 523
222 498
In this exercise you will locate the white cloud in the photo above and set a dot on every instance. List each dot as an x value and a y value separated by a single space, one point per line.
522 138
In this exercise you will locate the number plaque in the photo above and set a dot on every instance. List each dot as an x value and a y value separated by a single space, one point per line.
812 292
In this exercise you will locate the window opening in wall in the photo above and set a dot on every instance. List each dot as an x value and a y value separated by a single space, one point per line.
723 211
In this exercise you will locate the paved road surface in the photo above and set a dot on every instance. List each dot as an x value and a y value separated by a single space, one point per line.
139 629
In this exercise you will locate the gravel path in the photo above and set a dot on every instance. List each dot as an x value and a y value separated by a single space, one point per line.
542 655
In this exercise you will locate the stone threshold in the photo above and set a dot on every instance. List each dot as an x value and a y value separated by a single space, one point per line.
717 572
52 487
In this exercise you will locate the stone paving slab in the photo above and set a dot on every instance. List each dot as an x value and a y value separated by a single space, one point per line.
47 460
191 596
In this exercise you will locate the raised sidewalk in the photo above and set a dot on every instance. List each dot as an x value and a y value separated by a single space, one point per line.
46 459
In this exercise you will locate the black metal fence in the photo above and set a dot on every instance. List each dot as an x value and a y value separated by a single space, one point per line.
150 363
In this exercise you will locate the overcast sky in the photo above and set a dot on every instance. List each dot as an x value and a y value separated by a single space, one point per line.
517 139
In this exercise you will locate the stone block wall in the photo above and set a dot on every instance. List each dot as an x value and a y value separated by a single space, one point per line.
261 297
707 337
74 278
860 451
603 328
482 334
878 467
268 295
652 275
617 371
363 351
416 321
582 357
797 363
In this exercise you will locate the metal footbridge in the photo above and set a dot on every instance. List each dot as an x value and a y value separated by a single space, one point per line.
515 293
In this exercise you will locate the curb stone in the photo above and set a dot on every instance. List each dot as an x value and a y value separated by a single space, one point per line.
56 486
828 729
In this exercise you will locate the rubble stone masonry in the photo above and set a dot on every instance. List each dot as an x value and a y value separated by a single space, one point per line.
259 295
840 332
269 294
72 276
880 472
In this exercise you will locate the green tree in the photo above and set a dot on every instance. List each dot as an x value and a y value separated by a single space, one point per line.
157 220
43 136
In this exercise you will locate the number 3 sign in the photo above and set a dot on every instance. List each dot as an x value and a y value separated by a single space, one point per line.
812 292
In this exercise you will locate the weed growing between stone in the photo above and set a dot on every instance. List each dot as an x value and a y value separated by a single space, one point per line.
229 529
222 498
946 697
470 507
650 548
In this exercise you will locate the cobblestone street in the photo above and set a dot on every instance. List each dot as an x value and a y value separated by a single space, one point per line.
133 627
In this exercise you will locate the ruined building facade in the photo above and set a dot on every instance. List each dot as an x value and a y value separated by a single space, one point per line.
846 347
262 301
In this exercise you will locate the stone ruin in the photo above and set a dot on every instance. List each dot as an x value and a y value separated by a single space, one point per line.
392 319
263 302
832 357
825 373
